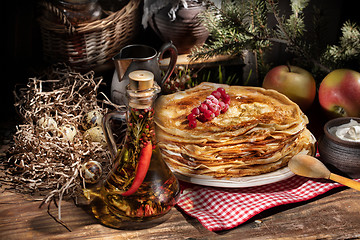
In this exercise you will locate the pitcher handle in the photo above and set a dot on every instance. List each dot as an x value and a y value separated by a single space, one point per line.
173 58
118 115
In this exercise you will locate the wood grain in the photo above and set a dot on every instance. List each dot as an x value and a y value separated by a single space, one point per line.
332 216
213 61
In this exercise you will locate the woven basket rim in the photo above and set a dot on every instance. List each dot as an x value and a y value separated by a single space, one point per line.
94 25
90 44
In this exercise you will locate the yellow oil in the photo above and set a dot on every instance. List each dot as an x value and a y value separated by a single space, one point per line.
155 197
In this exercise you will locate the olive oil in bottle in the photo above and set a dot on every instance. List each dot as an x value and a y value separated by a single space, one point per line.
140 186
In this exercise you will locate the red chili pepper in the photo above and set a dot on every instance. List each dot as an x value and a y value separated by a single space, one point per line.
142 168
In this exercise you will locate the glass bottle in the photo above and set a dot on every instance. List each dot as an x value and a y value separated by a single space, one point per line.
124 195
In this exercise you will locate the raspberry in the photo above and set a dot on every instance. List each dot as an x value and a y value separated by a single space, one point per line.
208 102
226 98
214 104
192 123
203 107
209 115
211 97
212 107
225 108
202 118
221 105
191 117
221 90
215 101
216 94
196 111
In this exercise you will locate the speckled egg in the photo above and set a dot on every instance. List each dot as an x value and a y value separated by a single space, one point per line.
92 119
68 132
47 123
95 134
91 171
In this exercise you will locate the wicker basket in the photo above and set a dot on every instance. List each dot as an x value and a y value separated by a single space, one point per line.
89 45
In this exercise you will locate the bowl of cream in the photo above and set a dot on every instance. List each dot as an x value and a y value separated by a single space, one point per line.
339 147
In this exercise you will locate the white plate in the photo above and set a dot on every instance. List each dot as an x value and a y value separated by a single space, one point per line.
241 182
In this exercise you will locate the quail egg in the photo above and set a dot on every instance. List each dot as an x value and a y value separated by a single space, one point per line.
68 132
95 134
47 123
91 171
92 119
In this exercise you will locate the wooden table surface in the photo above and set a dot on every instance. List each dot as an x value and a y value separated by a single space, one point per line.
335 215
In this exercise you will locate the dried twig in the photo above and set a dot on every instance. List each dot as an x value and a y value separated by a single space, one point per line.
57 219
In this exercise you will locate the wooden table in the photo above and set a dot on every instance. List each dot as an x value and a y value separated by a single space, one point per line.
334 215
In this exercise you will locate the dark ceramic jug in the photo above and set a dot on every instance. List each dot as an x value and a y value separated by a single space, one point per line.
139 57
186 31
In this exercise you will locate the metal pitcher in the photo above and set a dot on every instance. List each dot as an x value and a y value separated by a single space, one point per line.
139 57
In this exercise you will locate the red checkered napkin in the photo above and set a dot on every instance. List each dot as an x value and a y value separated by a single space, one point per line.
225 208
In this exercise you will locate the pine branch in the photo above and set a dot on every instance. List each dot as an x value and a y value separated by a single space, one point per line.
290 31
233 29
243 26
348 50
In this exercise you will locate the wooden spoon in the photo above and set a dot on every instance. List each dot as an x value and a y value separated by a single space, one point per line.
308 166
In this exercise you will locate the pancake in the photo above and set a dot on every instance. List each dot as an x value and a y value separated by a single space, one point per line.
250 107
259 133
241 165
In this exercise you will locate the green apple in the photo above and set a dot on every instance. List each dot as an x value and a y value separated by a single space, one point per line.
294 82
339 93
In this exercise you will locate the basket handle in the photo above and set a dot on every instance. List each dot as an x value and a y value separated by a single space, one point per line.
60 15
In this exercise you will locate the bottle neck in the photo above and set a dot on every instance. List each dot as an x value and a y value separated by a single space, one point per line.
142 99
140 117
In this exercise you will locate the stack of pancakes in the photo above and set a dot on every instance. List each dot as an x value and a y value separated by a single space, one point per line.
259 133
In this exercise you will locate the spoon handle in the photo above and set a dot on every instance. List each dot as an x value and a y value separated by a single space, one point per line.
345 181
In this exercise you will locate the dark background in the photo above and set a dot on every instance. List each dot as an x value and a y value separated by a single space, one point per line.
22 49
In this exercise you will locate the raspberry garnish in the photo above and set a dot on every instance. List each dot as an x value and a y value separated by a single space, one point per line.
215 104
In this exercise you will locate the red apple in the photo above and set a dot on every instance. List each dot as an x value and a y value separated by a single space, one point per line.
294 82
339 93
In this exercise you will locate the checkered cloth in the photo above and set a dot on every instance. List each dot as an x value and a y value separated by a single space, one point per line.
225 208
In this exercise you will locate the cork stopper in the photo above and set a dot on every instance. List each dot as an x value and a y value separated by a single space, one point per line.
141 80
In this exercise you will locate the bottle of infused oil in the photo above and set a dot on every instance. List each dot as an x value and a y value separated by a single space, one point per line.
140 186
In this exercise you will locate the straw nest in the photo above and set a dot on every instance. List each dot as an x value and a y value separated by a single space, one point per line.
42 159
